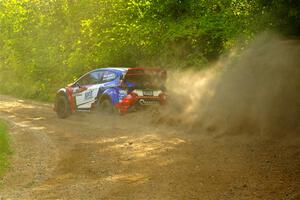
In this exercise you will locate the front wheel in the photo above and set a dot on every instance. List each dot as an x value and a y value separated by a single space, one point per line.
62 107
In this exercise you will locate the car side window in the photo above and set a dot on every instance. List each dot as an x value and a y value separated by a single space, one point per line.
83 81
96 77
108 76
91 78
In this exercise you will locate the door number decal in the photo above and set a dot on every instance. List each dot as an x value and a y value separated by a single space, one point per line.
88 95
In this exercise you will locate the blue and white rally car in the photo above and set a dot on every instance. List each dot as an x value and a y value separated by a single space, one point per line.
112 90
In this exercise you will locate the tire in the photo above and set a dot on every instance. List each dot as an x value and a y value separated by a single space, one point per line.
62 107
105 106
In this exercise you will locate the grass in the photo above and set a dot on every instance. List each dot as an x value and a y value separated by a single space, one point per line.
4 147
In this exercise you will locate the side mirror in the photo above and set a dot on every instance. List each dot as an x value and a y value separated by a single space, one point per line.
81 89
77 85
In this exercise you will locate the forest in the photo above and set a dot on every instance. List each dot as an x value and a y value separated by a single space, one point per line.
46 44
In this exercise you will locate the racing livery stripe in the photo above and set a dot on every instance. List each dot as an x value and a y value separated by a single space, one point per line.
85 103
69 92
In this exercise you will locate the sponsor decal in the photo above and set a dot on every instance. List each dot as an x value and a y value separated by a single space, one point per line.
88 95
122 94
108 77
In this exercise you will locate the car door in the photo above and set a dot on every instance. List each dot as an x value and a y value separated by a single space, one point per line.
87 89
110 81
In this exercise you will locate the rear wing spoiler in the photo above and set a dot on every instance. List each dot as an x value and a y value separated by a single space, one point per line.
140 71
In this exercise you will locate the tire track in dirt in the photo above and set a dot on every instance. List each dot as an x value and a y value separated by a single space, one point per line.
77 141
88 156
33 158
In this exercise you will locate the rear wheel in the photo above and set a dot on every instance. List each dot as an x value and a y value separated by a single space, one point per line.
62 107
105 106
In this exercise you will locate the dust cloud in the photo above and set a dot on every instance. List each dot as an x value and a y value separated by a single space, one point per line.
254 91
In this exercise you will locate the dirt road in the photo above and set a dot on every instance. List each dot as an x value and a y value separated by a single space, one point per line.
89 156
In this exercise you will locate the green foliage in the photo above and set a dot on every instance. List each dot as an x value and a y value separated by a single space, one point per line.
4 147
283 15
46 44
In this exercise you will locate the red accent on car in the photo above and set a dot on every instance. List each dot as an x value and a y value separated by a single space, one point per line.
126 102
132 98
69 92
163 98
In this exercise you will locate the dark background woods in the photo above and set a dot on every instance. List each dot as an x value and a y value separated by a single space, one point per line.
46 44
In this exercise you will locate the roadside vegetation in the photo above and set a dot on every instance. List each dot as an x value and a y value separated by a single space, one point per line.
46 44
4 147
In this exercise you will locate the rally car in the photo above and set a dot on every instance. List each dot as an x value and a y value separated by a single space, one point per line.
110 90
